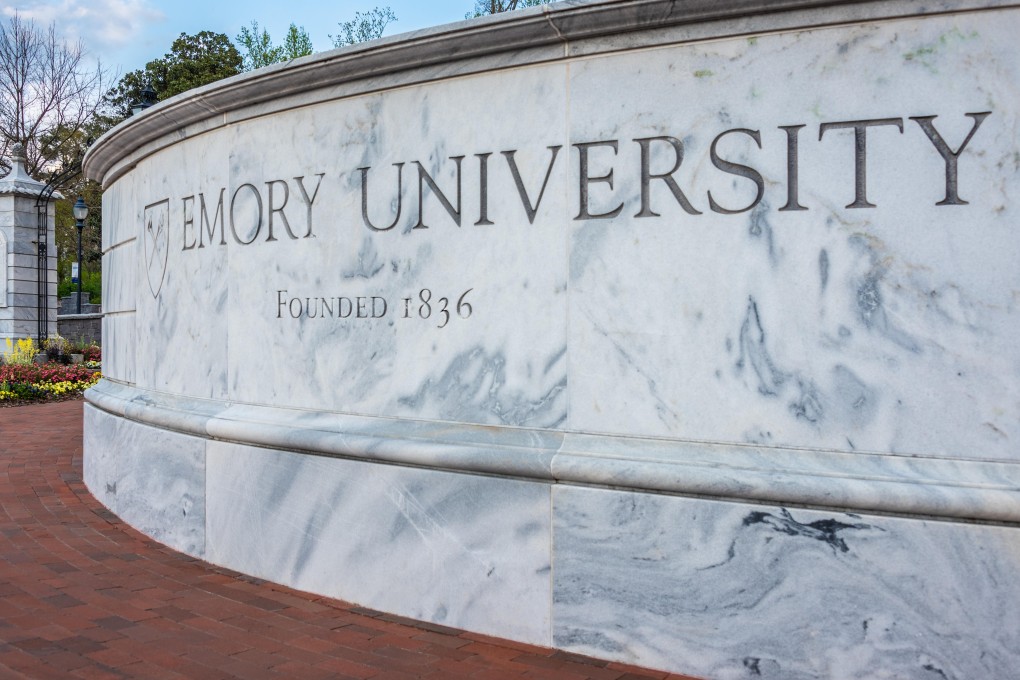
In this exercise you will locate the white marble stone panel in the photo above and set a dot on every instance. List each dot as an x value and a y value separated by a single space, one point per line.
182 309
496 358
151 478
120 277
726 591
120 347
887 329
460 550
119 201
883 329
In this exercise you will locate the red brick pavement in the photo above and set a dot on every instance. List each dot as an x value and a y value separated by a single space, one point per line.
82 595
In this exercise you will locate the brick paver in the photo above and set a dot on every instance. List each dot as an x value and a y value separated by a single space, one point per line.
82 595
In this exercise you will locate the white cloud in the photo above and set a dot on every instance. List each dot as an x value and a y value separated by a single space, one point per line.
101 24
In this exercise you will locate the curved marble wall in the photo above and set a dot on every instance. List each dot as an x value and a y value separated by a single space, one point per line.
677 335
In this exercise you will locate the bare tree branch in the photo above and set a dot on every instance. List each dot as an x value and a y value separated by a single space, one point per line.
49 91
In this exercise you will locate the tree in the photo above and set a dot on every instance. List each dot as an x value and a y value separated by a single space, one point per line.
256 47
258 50
48 90
200 59
193 61
128 89
365 26
50 101
484 7
297 43
63 149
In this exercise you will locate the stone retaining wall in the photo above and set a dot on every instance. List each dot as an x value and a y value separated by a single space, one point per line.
81 327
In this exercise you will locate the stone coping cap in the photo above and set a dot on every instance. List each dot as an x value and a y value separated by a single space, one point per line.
903 484
19 182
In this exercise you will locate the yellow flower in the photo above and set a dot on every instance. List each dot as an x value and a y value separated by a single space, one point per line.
23 354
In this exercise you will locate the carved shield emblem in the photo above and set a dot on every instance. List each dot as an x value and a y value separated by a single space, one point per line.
156 242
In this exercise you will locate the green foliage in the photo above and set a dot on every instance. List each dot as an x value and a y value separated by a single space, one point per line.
200 59
67 233
193 61
258 50
485 7
128 90
363 27
257 47
297 43
18 391
64 148
91 283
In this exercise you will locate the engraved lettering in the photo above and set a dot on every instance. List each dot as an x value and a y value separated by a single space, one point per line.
189 219
233 204
530 209
792 167
364 198
281 303
860 128
584 180
205 227
425 178
274 210
738 170
309 201
647 176
483 188
948 155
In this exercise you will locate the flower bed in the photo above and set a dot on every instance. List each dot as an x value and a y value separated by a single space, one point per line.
92 353
46 382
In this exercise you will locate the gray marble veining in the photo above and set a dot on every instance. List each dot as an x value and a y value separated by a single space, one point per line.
452 549
733 591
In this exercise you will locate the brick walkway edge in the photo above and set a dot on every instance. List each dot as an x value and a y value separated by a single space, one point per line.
83 595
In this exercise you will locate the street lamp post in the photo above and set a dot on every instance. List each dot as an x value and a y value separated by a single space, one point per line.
81 211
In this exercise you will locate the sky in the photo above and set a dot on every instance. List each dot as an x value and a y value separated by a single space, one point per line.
125 34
